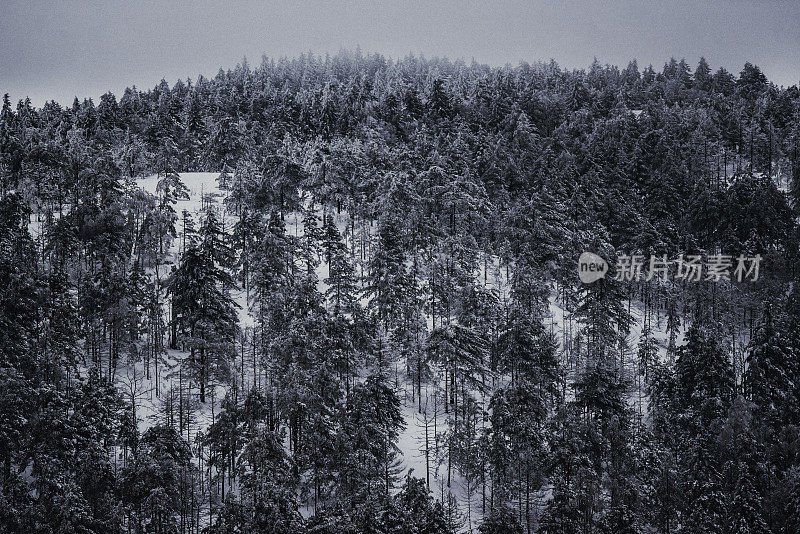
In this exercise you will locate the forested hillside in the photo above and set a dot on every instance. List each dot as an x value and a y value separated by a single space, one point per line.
341 295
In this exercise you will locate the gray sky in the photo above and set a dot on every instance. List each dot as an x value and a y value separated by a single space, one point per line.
61 48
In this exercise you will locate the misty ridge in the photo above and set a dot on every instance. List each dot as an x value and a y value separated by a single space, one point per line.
348 294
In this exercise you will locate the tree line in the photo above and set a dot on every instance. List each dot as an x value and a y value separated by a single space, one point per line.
403 236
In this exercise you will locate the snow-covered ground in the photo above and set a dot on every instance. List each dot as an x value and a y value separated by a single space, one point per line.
412 441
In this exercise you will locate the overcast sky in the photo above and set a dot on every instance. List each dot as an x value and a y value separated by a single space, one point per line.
63 48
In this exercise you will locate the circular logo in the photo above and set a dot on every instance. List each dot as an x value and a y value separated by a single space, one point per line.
591 267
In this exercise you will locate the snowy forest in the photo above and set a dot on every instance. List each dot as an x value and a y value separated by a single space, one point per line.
340 294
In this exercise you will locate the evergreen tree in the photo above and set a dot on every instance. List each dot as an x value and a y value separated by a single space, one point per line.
772 371
204 313
152 482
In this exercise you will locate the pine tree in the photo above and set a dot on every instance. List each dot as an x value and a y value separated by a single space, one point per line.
370 429
387 270
501 521
771 373
341 281
204 313
152 482
268 486
414 509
